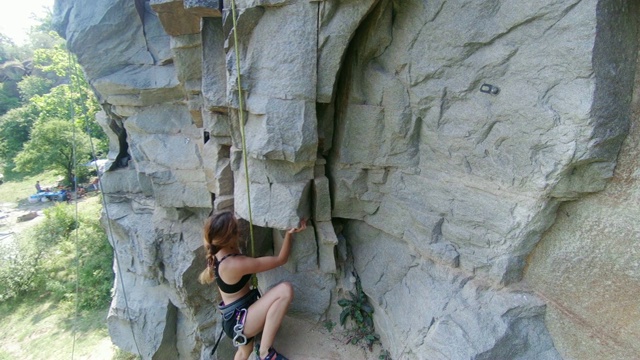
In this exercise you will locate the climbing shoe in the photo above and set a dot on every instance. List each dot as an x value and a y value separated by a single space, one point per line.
273 355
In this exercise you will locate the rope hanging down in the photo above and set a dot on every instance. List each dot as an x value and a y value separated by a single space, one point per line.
72 112
73 70
246 171
244 150
242 133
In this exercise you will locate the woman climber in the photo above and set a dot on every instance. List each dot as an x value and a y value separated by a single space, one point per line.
244 312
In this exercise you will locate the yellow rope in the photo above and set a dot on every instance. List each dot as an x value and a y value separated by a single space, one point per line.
242 133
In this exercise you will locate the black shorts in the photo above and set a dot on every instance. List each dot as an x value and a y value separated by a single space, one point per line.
230 312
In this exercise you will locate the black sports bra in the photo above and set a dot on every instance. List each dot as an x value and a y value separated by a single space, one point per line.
229 288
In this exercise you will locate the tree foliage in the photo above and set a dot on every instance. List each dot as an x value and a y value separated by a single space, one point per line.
34 135
46 259
8 100
31 86
54 145
15 129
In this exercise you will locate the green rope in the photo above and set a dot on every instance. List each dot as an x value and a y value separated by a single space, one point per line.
242 133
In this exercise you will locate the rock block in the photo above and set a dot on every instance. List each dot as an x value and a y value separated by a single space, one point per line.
175 19
321 199
187 58
281 130
327 242
120 181
277 205
214 70
311 291
304 250
204 8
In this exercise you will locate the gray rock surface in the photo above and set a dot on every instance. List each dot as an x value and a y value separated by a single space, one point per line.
586 266
431 145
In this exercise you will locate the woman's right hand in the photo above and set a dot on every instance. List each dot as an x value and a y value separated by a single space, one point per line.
302 227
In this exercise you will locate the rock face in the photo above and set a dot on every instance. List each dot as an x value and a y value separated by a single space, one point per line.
586 266
430 142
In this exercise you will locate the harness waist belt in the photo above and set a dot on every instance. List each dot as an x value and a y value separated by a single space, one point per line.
244 302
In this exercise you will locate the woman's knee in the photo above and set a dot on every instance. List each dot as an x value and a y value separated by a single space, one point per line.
244 352
285 290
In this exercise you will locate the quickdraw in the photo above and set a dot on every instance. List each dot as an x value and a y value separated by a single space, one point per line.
240 339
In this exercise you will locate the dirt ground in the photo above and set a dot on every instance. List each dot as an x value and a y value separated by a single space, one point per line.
11 212
302 340
297 339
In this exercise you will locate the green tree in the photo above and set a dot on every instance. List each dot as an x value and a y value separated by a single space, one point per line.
80 94
73 102
15 127
8 100
51 147
15 60
31 86
52 89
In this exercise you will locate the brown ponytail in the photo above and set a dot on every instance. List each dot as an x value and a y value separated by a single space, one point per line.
207 276
220 230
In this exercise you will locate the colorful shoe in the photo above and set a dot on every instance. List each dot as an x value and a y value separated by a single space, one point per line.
273 355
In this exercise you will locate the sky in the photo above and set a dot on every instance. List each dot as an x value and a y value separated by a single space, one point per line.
16 17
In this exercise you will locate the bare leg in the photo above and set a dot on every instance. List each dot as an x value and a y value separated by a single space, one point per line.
266 315
244 351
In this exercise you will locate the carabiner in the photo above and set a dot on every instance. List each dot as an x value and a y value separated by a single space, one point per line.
239 340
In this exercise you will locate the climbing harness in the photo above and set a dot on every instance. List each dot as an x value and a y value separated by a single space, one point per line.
239 338
234 316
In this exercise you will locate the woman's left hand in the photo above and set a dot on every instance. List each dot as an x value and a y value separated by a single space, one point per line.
302 227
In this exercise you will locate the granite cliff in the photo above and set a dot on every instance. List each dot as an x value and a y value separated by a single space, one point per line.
455 155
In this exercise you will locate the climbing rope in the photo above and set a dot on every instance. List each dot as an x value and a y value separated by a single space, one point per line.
242 132
72 112
106 209
73 70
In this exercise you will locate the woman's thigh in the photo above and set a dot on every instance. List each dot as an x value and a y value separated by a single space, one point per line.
257 312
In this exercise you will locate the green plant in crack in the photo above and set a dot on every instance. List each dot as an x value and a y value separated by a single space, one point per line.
358 309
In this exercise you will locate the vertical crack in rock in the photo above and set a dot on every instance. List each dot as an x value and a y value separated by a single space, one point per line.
141 9
113 126
167 349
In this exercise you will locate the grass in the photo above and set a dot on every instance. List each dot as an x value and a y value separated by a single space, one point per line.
18 191
35 327
38 329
